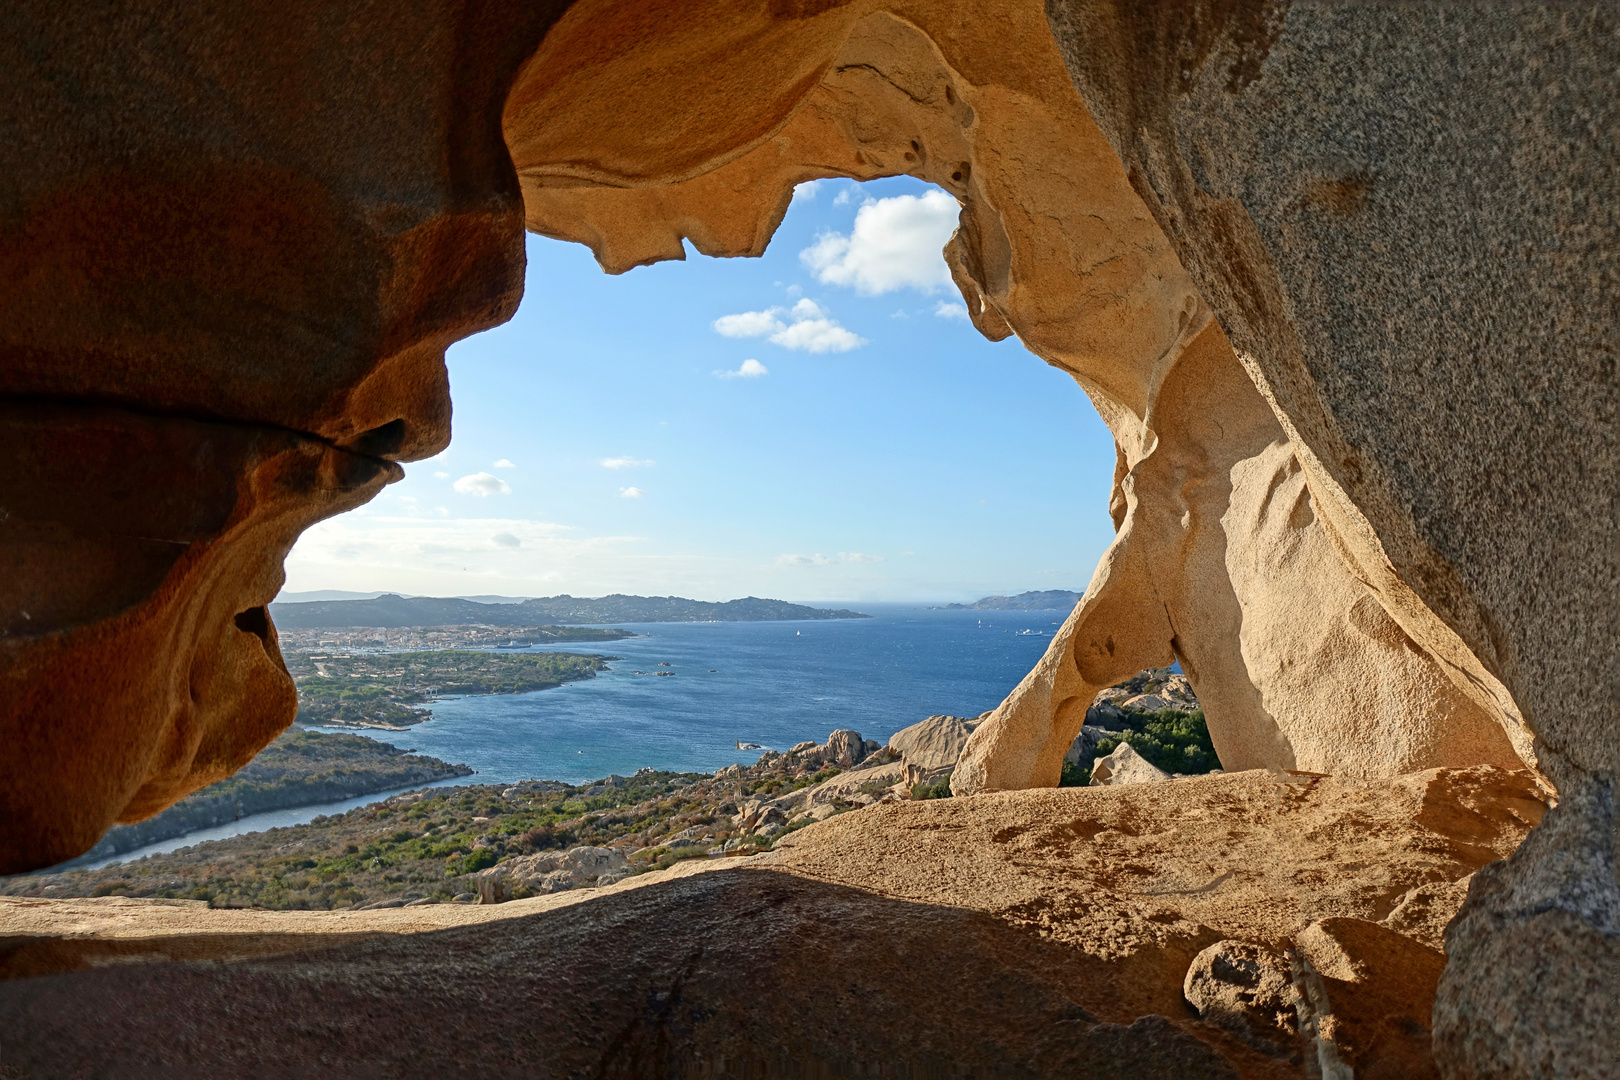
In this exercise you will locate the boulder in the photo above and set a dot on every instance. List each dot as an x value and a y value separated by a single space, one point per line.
1058 926
934 743
1245 988
1085 743
1125 766
551 871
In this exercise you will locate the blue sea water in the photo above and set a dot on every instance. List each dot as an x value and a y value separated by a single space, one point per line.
774 683
771 683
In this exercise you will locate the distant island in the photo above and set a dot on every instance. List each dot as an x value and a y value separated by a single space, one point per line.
397 611
1048 600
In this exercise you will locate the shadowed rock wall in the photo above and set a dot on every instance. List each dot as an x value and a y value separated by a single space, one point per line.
233 247
1404 216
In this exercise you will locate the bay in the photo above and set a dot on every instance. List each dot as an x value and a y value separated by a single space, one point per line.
770 683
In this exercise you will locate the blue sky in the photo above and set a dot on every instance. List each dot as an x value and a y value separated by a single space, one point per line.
822 423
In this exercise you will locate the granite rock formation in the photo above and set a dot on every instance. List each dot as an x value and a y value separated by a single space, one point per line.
1340 278
1431 319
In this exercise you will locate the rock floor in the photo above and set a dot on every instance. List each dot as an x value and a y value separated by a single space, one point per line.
1030 933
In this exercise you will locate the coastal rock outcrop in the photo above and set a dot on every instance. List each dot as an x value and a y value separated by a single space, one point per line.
235 247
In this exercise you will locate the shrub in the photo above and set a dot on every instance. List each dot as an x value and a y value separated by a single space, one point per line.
1074 775
939 789
544 838
1175 741
471 863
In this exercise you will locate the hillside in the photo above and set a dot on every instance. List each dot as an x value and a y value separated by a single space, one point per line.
301 768
1048 600
396 611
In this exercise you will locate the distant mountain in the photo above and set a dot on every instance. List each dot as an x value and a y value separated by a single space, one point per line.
285 597
1049 600
345 594
391 610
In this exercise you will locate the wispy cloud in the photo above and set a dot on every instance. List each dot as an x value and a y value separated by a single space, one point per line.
482 484
950 309
895 244
807 191
803 560
806 325
505 463
823 560
631 493
626 462
506 540
442 475
748 369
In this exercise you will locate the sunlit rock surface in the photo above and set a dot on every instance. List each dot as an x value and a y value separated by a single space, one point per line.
1031 933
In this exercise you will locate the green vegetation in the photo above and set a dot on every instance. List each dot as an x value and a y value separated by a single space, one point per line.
1075 775
388 689
772 787
939 789
1172 740
418 845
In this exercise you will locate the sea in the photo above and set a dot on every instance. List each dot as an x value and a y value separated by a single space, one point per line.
770 684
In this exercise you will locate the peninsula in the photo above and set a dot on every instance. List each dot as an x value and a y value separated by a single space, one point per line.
1044 600
388 690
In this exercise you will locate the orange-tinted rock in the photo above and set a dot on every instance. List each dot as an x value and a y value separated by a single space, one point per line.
233 248
137 659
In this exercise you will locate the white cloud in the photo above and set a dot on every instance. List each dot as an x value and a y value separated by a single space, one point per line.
857 557
845 197
749 323
441 476
802 560
504 463
793 290
807 190
895 244
482 484
748 369
951 309
810 328
631 493
506 540
818 336
626 462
